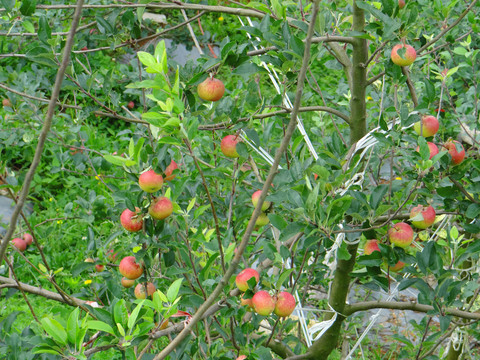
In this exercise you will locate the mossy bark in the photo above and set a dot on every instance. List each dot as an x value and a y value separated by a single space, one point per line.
322 348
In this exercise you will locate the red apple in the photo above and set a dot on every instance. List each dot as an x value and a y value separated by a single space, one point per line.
401 4
7 102
150 182
370 247
131 105
131 221
397 267
453 147
129 268
406 57
256 195
242 279
127 283
84 48
160 208
28 238
427 127
20 244
433 149
169 175
285 304
211 89
401 234
427 215
99 267
263 303
262 220
228 145
140 290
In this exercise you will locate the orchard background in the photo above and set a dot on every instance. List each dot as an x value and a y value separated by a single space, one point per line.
93 96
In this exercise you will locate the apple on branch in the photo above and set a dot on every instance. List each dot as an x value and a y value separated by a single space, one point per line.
427 126
285 304
422 217
256 195
127 283
242 279
401 234
211 89
456 151
433 149
263 303
370 247
132 221
28 238
161 208
228 145
150 182
169 175
140 290
129 268
20 244
403 55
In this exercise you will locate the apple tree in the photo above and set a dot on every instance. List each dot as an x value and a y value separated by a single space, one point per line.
316 155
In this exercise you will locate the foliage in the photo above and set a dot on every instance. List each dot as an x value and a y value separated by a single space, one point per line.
328 199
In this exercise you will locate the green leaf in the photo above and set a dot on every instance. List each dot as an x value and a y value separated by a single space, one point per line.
120 313
377 195
297 45
342 252
133 317
172 291
118 160
277 221
72 325
28 7
101 326
283 276
44 30
121 330
55 330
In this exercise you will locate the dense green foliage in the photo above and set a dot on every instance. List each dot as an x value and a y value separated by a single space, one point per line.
127 104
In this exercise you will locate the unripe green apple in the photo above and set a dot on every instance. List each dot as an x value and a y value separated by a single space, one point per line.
228 145
285 304
406 56
256 195
401 234
20 244
169 175
129 268
262 220
211 89
161 208
132 221
427 127
263 303
127 283
370 247
427 215
456 151
150 182
140 290
242 278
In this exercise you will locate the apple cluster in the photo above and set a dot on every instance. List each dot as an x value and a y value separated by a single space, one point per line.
160 207
282 303
401 234
262 219
22 243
